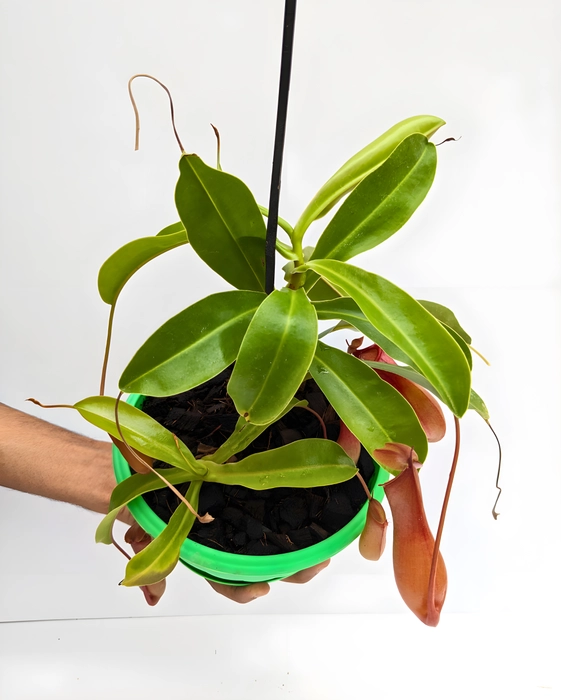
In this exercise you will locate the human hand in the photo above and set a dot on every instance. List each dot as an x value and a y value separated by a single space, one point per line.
245 594
139 539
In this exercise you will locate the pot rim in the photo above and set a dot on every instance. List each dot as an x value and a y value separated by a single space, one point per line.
242 569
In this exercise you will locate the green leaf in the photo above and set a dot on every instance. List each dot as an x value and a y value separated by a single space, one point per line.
245 433
382 203
345 309
372 409
121 266
300 464
462 343
193 346
446 316
361 164
478 405
475 402
225 226
141 432
172 228
131 488
274 356
318 289
409 326
160 557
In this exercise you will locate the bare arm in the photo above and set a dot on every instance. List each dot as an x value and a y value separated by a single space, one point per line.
40 458
43 459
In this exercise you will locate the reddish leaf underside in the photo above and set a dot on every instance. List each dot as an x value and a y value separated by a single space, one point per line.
372 540
413 548
426 407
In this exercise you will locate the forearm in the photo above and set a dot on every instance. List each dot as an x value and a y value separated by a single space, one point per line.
43 459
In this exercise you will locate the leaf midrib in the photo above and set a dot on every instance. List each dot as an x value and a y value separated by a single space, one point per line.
383 202
426 368
134 434
234 238
170 544
204 338
360 401
280 345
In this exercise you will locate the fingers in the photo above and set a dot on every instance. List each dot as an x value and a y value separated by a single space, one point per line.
307 574
125 516
245 594
138 540
241 594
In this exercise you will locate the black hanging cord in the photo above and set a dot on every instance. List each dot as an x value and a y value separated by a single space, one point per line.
284 85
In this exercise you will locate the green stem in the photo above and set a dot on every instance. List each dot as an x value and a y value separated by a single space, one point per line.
282 222
107 348
285 250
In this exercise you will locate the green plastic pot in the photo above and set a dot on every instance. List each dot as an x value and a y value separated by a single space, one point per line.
242 569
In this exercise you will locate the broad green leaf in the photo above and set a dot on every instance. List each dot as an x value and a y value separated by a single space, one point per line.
245 433
475 401
372 409
225 226
462 343
345 309
446 316
131 488
361 164
121 266
300 464
409 326
160 557
382 203
141 432
274 356
193 346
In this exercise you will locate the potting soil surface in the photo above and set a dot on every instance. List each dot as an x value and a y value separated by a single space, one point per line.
247 521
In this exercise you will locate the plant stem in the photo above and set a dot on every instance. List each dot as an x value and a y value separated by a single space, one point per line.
286 65
434 563
320 419
364 486
107 347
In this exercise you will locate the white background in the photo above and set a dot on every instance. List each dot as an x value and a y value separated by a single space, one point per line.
485 242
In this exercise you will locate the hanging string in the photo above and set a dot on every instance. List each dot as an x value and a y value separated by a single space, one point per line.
284 86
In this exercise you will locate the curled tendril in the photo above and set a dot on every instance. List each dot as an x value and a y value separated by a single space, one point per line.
137 116
494 511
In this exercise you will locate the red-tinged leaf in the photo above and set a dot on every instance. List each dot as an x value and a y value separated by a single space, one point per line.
373 538
424 404
395 457
349 442
133 461
373 353
426 407
413 547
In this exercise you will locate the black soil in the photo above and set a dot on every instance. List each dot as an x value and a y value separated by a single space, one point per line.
248 521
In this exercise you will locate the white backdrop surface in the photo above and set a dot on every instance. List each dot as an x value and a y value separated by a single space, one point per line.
485 242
